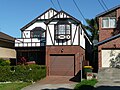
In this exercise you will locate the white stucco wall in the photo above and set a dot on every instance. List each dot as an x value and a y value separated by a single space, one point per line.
37 24
26 33
48 37
75 34
82 38
48 14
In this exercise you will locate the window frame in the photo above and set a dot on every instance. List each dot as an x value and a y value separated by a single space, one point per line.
57 29
109 26
41 34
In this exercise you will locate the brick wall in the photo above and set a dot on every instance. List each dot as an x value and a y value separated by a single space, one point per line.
74 50
105 33
113 44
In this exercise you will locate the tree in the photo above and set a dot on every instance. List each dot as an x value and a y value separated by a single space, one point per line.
93 28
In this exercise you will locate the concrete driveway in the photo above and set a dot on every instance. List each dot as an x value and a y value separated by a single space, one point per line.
108 85
53 83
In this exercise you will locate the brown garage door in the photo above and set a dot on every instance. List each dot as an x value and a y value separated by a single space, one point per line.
62 65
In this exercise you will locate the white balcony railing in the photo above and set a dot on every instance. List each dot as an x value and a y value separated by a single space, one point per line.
29 42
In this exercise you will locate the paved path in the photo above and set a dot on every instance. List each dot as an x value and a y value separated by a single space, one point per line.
109 79
52 83
108 85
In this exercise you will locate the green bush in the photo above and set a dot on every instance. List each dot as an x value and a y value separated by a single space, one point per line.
4 62
22 73
85 84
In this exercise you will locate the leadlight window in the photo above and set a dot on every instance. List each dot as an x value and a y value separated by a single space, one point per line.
62 29
37 33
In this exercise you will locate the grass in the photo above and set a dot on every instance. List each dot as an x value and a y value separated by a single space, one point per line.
13 86
86 85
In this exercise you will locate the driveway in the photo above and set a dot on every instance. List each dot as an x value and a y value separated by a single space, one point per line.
108 85
109 79
52 83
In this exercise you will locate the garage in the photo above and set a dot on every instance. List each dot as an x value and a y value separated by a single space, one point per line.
61 65
108 55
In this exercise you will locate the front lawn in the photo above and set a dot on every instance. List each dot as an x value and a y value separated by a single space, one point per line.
86 85
13 86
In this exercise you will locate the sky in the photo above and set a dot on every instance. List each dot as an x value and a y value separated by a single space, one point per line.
14 14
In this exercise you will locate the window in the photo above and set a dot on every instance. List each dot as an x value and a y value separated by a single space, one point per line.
62 29
109 22
38 32
35 34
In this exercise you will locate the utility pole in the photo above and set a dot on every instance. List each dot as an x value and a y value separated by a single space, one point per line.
81 67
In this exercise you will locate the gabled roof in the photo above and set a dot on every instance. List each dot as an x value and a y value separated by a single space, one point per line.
58 14
5 37
33 21
107 40
110 10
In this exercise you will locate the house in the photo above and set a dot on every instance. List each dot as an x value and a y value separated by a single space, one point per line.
56 39
109 37
7 50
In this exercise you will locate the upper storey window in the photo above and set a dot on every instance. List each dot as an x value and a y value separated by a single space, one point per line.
108 22
62 29
37 32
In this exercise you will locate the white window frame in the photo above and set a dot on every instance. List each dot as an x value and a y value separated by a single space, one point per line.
108 22
65 31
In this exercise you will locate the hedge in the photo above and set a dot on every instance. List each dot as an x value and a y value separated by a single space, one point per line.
22 73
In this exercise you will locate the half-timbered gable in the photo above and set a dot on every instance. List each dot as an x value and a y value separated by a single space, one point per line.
38 22
63 29
34 32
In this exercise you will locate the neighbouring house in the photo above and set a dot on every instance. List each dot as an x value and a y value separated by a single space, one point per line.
7 50
57 40
109 38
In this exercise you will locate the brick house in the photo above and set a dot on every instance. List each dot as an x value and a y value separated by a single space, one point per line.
57 40
109 37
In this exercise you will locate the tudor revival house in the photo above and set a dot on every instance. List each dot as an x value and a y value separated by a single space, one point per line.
109 37
56 39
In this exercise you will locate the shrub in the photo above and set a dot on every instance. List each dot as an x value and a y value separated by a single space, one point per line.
4 62
22 73
86 84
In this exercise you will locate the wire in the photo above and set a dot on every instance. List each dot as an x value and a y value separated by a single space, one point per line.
105 5
102 5
53 4
79 10
59 4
